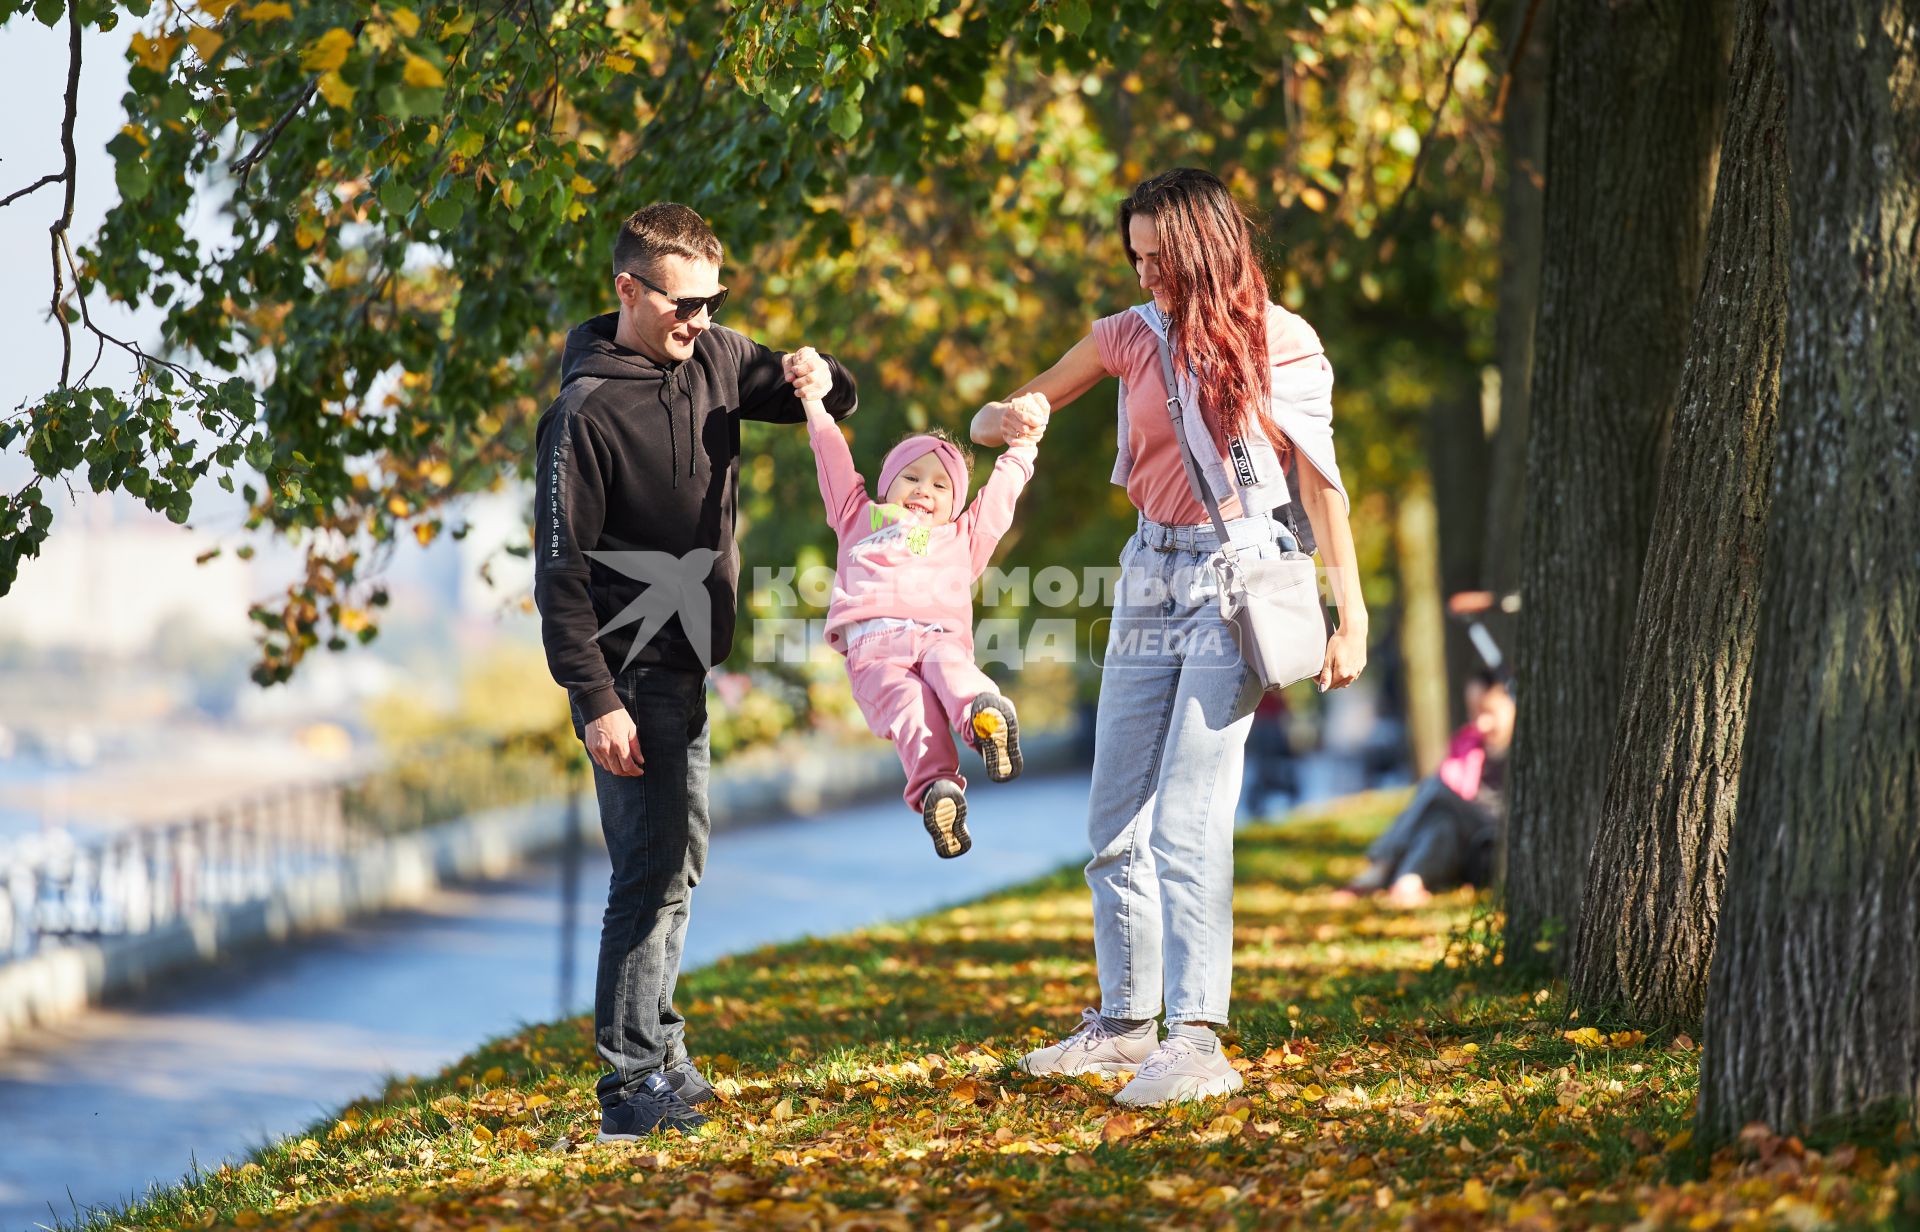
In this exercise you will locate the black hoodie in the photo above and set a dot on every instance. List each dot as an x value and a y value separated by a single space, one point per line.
642 456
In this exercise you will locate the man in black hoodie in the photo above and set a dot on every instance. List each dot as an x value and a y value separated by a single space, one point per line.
635 573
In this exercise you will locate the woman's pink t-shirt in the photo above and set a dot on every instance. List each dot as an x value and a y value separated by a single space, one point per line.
1157 485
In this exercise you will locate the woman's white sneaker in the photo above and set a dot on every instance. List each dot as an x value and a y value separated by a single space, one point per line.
1189 1064
1096 1048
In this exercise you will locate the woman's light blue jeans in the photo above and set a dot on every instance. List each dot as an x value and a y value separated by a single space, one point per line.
1176 702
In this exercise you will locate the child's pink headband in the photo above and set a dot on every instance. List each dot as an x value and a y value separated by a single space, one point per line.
916 446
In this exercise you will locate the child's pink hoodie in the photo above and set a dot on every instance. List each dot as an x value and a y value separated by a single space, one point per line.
886 566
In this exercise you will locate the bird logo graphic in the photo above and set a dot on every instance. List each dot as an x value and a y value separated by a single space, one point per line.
676 586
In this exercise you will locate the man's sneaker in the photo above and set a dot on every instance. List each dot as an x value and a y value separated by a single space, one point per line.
1184 1067
1096 1048
993 729
687 1082
944 810
653 1107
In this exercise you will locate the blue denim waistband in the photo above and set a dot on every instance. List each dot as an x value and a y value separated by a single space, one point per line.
1242 532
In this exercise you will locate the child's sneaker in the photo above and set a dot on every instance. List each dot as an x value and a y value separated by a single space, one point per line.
944 810
995 731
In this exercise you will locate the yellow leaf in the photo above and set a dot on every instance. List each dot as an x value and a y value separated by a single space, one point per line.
404 20
576 212
782 1110
270 10
398 506
1679 1142
205 43
425 531
246 1219
537 1101
352 619
482 1134
334 88
154 53
1626 1039
309 232
216 9
421 73
1119 1126
1585 1037
1313 1092
581 184
1313 199
327 52
619 63
439 474
135 133
494 1076
1474 1194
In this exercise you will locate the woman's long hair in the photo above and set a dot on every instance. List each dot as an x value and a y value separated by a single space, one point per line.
1217 293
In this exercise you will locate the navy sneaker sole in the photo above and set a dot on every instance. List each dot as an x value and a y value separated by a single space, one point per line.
944 812
996 733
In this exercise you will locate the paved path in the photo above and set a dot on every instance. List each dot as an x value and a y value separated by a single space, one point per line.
101 1108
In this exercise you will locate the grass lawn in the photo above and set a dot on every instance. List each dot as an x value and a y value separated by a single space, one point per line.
1395 1079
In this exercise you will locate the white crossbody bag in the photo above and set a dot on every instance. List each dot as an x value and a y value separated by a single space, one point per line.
1271 604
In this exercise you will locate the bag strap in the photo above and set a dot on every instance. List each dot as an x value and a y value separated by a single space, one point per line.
1202 490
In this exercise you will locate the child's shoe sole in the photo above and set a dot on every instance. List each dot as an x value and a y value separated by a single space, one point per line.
996 733
944 810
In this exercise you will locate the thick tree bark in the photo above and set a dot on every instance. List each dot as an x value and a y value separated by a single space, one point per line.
1647 923
1813 1009
1636 100
1523 131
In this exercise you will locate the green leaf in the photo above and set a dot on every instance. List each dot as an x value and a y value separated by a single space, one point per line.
49 11
845 121
396 198
444 214
130 175
1074 15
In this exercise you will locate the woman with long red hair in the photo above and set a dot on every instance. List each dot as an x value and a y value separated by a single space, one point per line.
1176 698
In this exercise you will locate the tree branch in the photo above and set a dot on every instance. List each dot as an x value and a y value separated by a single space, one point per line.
244 165
36 186
58 232
1433 121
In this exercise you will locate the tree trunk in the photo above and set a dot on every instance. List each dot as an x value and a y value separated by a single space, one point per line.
1659 861
1523 130
1813 1009
1636 100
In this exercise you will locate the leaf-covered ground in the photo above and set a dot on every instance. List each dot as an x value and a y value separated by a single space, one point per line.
1394 1080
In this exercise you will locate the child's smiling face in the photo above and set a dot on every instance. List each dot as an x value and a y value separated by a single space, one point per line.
923 490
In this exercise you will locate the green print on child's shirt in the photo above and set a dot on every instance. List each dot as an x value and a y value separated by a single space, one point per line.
918 539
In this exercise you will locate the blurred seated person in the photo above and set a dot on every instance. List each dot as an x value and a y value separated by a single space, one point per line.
1449 833
1270 766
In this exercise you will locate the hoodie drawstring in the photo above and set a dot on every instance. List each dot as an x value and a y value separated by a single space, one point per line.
673 439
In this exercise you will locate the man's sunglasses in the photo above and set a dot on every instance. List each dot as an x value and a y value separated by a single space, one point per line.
687 307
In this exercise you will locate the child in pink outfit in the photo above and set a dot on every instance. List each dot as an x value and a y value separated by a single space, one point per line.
902 609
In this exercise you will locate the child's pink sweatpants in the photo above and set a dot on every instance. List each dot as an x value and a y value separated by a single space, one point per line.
914 686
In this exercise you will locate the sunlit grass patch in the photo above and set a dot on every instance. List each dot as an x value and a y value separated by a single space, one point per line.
1395 1079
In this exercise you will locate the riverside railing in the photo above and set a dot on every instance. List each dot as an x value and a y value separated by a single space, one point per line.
55 887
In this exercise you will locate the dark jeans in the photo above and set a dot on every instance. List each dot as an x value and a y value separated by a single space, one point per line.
656 827
1446 839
